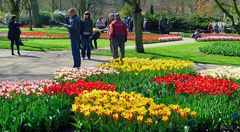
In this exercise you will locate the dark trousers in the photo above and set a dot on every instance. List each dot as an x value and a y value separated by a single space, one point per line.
16 41
75 44
130 28
86 45
115 43
94 38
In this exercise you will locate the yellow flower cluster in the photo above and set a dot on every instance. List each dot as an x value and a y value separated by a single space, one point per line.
138 65
127 106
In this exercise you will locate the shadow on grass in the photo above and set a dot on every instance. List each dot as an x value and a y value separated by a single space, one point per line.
36 47
156 56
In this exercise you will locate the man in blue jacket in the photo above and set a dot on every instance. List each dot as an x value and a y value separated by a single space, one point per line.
74 29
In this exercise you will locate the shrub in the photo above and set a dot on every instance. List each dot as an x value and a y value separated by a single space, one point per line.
180 23
58 16
1 16
45 17
7 18
126 11
225 48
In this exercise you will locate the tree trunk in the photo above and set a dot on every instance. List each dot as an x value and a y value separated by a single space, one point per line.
54 5
1 7
35 13
137 16
30 19
60 5
15 7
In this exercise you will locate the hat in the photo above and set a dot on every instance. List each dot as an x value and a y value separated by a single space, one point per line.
87 13
111 14
117 16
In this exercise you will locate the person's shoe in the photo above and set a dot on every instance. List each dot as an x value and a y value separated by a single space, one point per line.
19 53
13 54
89 58
83 58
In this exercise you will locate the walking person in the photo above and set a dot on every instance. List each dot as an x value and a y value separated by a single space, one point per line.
74 29
87 30
14 33
130 25
111 19
118 36
95 36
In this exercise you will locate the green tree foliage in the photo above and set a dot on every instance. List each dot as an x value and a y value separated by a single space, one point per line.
126 10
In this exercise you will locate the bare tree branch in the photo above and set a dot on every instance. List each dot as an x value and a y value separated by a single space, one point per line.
236 7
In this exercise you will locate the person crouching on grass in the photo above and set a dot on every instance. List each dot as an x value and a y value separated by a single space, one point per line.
118 36
14 34
74 30
87 31
96 34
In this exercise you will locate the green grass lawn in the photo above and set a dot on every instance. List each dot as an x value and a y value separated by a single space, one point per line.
52 44
185 51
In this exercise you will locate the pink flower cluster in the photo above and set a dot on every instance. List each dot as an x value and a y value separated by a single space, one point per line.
7 89
218 37
170 38
40 35
69 74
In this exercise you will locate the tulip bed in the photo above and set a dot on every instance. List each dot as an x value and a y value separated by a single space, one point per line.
123 95
152 38
222 48
231 73
219 37
147 38
39 35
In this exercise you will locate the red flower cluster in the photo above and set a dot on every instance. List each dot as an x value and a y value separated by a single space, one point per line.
189 84
77 88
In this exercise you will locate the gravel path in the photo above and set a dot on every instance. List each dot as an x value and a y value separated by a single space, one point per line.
34 65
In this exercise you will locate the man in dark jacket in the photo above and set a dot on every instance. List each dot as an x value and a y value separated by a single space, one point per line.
118 36
74 29
87 31
14 33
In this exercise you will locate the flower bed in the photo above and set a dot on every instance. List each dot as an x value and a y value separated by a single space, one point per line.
224 72
218 37
139 65
121 107
7 89
188 84
146 38
124 100
73 74
151 37
77 88
39 35
170 38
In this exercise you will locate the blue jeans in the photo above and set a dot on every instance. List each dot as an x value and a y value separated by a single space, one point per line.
75 44
86 45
